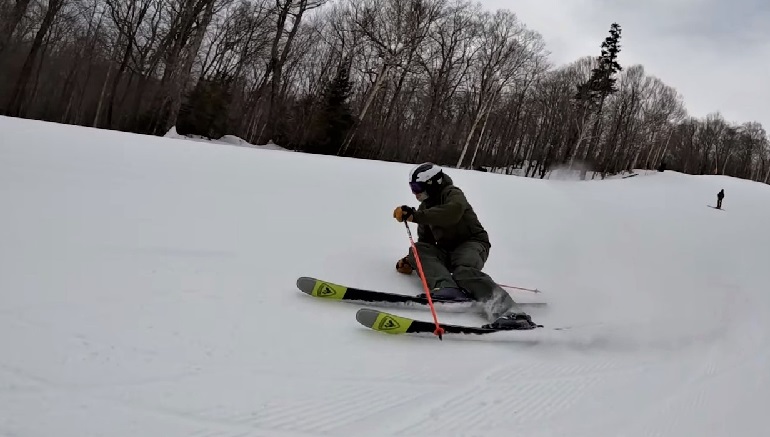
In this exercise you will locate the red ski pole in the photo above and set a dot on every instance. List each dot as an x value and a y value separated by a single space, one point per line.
439 330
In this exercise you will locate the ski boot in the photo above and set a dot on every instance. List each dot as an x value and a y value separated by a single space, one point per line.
448 294
513 321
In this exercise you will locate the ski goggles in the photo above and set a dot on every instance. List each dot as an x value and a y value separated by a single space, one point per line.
417 187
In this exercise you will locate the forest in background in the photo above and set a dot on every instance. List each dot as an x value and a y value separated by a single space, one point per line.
397 80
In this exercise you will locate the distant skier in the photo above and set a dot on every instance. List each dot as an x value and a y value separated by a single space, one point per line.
453 247
720 196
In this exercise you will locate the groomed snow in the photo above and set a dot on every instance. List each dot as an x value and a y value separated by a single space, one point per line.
147 288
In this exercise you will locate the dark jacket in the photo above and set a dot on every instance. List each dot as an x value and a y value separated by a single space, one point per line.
448 219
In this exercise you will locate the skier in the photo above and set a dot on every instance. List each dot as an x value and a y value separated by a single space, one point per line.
453 247
720 196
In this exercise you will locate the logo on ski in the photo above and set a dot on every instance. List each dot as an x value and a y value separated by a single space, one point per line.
387 323
326 291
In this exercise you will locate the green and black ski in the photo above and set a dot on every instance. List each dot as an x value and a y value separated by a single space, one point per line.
389 323
327 290
393 324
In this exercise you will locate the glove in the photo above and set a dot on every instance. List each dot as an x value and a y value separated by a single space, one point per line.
403 212
403 266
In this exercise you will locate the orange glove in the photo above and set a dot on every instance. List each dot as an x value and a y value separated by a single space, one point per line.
403 266
403 212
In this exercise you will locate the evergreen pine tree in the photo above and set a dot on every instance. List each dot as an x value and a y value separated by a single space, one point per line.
205 109
334 119
590 95
595 90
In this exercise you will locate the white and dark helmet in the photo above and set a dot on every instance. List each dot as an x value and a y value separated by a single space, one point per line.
426 177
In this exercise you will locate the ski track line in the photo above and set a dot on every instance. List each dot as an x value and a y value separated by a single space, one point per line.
676 384
690 393
339 408
673 416
425 377
82 347
516 395
328 409
322 413
671 377
695 403
188 425
24 381
489 407
196 426
506 395
555 370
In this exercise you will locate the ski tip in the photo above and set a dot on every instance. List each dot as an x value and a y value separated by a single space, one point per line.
367 317
306 284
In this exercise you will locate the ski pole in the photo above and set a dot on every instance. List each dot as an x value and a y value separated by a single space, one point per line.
534 290
439 330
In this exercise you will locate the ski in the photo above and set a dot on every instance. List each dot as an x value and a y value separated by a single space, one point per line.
392 324
331 291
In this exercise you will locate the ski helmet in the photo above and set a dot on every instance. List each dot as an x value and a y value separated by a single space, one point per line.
425 177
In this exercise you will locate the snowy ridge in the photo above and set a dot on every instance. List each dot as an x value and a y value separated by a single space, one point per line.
147 287
231 140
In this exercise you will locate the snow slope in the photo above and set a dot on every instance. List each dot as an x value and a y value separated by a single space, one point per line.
147 287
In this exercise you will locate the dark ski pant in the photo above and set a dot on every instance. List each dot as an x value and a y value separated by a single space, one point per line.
461 268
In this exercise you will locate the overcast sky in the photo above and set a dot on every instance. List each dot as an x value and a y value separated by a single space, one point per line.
715 53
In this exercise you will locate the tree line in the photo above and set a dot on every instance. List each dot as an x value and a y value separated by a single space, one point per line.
397 80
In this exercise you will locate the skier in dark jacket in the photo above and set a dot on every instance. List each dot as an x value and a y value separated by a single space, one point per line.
453 247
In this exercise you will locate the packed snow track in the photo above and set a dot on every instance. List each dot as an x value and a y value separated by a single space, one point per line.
147 287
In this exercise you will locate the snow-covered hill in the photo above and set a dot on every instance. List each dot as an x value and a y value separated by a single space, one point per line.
147 287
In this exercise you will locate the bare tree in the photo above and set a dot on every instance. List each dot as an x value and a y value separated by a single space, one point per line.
506 50
438 80
394 30
10 19
19 92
